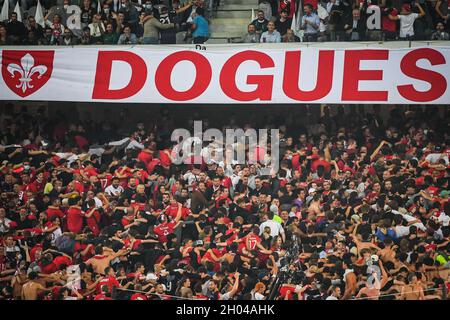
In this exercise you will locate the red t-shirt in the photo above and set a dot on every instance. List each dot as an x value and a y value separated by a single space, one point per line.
152 164
62 260
285 288
50 268
78 186
252 240
91 172
33 251
145 157
51 212
173 210
93 221
136 243
388 24
109 281
138 296
296 162
81 141
216 252
80 247
36 186
163 230
106 180
318 162
74 220
165 159
232 237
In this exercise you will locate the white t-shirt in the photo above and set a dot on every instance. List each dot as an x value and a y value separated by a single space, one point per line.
409 218
407 24
275 228
4 225
190 178
12 249
55 235
435 157
401 231
444 219
110 190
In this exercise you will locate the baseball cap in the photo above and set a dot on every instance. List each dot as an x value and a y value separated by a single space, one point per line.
311 190
406 7
198 243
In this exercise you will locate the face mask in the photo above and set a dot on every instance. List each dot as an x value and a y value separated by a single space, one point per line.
106 11
66 6
26 168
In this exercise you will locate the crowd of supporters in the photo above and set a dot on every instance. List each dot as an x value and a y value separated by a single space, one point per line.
349 20
97 210
71 22
87 22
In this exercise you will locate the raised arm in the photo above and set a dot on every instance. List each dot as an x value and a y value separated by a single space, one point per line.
377 150
421 11
182 9
235 285
178 217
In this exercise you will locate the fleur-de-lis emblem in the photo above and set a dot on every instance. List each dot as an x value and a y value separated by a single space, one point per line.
26 70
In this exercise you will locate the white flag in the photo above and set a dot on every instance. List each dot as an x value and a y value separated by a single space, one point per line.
99 8
294 24
17 10
39 16
322 12
4 15
253 15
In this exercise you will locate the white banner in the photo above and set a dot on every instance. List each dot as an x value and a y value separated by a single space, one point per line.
228 74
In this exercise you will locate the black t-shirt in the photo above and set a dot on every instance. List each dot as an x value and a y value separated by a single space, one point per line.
24 224
128 193
282 27
65 177
170 282
86 15
38 159
256 192
6 187
236 211
139 198
220 228
16 28
313 294
168 36
18 157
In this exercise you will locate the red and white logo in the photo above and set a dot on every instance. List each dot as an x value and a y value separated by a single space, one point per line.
25 72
